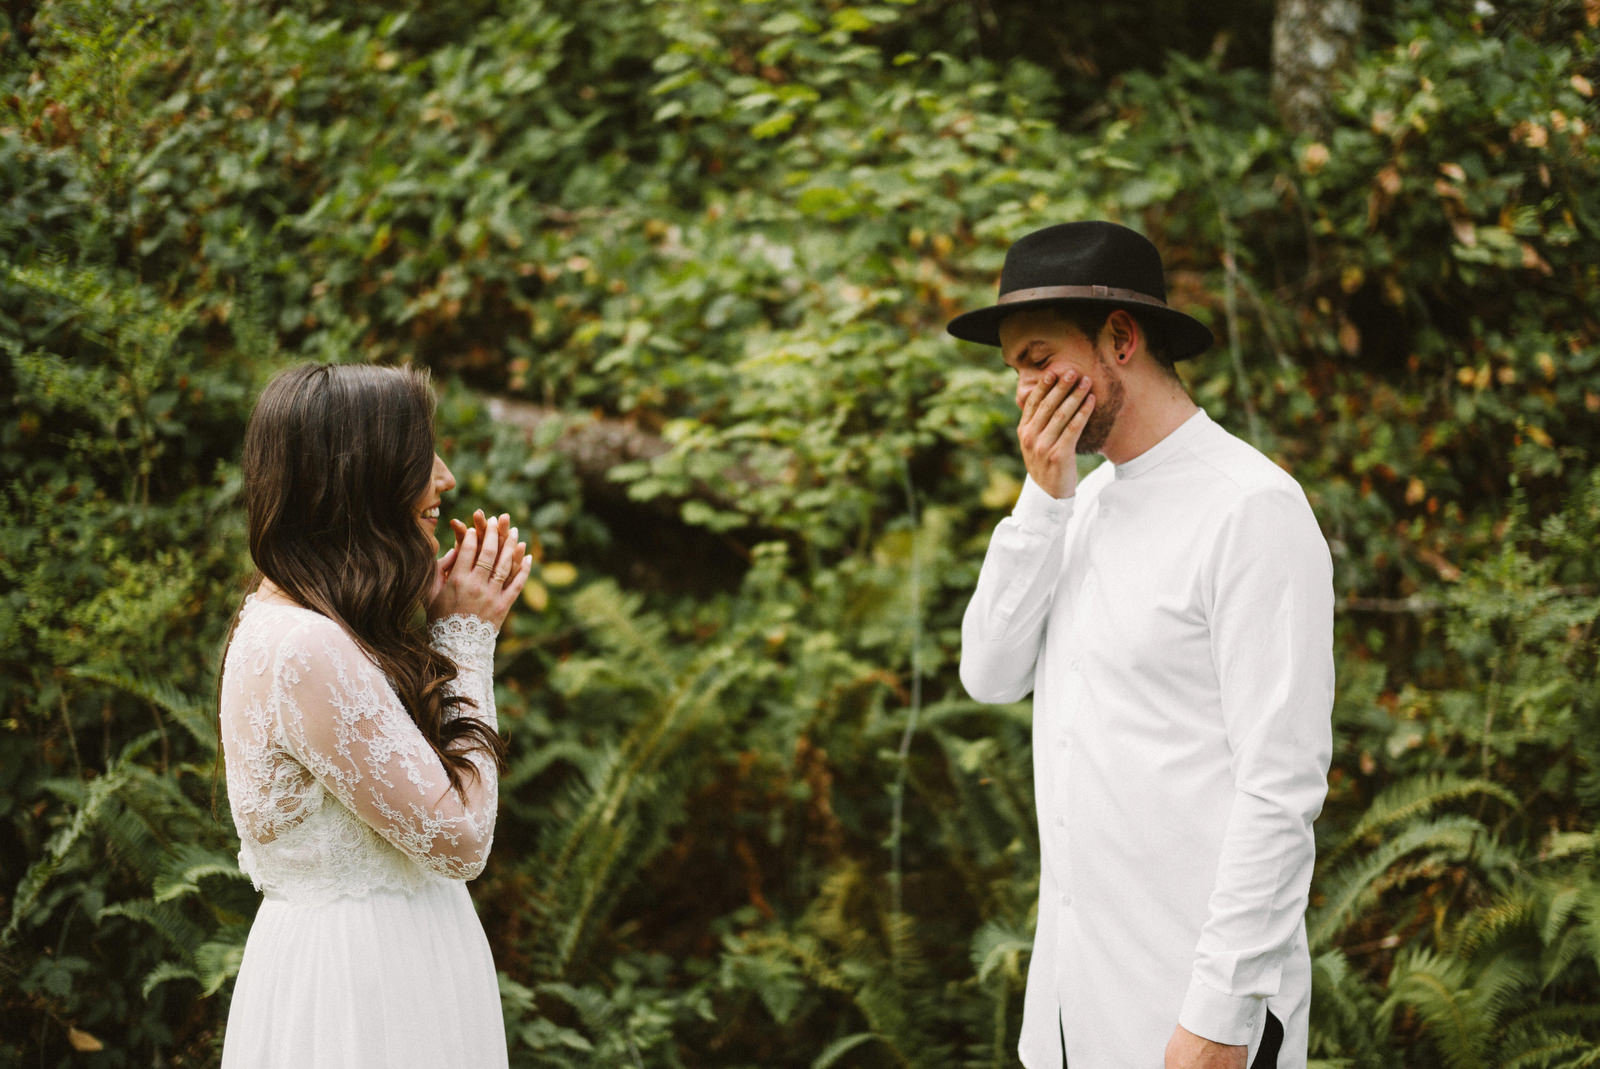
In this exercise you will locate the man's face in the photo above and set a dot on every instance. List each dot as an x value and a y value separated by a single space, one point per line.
1037 340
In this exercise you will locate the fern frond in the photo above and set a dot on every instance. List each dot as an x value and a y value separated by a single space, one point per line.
1568 949
839 1048
1345 1011
950 714
1358 885
1435 986
626 802
97 797
186 864
597 1014
884 978
1412 798
987 821
1563 902
1547 1037
1002 947
165 972
1488 924
1498 986
164 918
774 978
630 639
195 716
217 961
1565 1016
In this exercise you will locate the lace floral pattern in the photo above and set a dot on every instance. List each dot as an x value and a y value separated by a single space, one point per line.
334 791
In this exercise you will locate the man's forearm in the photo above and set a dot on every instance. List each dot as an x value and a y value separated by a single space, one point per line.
1004 622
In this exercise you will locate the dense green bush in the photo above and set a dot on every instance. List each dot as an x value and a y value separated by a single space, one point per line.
751 819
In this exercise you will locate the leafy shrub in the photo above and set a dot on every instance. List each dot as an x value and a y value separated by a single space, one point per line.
751 818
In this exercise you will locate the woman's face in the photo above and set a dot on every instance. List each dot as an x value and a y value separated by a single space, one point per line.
440 482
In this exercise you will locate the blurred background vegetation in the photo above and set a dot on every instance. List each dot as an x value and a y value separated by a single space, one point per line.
681 270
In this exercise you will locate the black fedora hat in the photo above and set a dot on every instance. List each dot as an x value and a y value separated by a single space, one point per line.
1085 263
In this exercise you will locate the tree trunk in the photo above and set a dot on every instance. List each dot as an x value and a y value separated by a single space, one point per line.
1313 43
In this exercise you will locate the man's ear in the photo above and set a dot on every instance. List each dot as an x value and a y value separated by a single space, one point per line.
1122 331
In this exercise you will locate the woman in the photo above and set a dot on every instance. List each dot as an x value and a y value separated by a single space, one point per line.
361 745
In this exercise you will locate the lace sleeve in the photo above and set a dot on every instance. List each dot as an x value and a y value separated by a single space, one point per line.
469 642
342 721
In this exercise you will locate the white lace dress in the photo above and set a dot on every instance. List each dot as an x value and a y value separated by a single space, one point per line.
366 951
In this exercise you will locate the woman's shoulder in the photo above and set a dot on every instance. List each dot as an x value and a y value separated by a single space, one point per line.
290 629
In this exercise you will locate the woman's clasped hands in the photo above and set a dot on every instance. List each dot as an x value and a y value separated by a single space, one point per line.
483 572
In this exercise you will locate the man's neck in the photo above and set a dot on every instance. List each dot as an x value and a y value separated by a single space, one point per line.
1150 413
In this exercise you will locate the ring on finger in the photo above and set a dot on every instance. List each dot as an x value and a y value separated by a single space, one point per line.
487 566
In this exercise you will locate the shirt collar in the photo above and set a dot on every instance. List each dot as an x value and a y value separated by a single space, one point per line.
1170 446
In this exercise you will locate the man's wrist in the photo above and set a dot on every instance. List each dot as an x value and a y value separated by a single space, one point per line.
1037 509
1232 1020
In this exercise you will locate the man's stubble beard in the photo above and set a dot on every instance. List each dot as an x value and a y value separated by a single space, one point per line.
1108 398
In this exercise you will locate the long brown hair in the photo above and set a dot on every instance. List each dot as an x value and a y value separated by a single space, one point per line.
336 459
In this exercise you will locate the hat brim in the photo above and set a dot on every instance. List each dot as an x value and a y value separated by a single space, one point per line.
1184 335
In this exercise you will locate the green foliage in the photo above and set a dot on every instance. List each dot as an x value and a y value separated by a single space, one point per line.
1483 918
750 817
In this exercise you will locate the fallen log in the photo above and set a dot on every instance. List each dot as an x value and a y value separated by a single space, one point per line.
654 546
594 444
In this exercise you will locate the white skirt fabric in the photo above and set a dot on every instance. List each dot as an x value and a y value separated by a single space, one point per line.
387 980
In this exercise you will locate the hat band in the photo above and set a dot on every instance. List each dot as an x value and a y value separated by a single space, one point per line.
1072 293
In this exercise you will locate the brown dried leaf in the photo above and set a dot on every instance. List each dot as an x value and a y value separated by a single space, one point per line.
535 595
1534 262
1437 561
81 1040
1349 338
559 573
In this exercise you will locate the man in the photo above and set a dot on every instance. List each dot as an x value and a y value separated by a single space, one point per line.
1172 616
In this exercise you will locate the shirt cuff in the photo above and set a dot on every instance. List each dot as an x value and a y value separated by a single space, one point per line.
1036 510
1229 1019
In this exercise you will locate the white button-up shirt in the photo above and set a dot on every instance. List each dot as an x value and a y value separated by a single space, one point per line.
1174 621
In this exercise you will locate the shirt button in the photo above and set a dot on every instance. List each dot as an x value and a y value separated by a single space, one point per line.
1061 822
